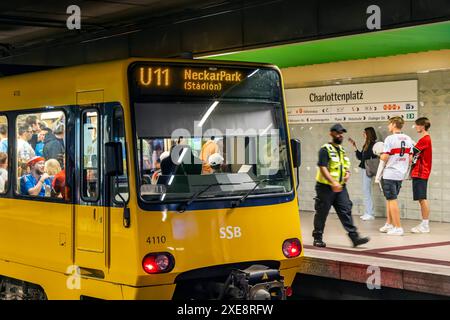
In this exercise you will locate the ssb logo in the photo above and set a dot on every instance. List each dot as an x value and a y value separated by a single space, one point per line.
230 232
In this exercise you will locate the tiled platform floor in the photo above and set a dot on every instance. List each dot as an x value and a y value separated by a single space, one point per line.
419 262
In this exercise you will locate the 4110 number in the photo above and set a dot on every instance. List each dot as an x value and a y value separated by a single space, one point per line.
156 240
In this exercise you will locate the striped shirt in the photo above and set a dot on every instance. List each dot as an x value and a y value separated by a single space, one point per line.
398 146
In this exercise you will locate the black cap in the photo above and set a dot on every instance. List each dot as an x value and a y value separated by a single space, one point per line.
338 127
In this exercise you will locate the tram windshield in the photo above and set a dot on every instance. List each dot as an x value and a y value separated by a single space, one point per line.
213 134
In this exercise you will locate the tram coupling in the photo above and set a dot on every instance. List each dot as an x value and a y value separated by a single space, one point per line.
257 282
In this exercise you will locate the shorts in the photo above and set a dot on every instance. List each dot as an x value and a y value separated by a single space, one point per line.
391 188
419 189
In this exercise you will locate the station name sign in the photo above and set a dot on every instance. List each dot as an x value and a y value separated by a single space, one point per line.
364 102
185 80
334 96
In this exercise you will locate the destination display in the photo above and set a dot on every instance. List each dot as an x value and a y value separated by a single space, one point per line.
367 102
191 80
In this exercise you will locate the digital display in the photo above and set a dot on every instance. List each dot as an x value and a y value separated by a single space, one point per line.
148 80
186 80
190 78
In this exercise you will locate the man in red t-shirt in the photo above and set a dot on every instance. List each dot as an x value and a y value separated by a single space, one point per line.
421 172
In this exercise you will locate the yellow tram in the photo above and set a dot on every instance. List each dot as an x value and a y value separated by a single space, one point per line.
147 179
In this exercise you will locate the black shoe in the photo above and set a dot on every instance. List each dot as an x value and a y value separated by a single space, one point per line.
319 243
357 241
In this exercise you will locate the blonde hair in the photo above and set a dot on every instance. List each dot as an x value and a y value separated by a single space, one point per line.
52 167
397 121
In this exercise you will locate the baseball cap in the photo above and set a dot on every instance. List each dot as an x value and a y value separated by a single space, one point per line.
164 155
34 160
215 159
338 127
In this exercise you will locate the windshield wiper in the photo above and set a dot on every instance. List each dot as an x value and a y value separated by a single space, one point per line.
183 206
238 202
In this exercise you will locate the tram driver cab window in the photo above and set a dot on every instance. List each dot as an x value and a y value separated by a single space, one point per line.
236 148
40 155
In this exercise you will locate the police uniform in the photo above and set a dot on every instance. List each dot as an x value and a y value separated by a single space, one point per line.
336 160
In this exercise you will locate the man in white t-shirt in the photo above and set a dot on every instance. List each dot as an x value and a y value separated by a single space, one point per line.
24 150
395 159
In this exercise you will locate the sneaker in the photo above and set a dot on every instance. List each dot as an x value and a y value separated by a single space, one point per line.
367 217
319 243
420 229
386 228
395 231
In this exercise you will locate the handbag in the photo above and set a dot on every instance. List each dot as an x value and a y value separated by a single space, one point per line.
372 166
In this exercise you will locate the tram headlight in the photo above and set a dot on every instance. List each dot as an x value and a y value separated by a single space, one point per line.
292 248
159 262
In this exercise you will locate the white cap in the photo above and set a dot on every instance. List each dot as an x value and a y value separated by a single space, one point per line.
378 148
215 159
164 155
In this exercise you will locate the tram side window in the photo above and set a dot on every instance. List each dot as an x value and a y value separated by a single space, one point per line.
90 158
3 154
120 184
41 154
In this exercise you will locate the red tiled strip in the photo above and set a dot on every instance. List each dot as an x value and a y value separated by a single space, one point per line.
410 247
380 255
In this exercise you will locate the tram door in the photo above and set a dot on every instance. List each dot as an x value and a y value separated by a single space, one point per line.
90 213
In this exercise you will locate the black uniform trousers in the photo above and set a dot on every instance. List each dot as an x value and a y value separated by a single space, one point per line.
340 201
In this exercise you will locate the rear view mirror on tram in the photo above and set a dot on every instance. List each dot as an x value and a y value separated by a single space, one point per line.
114 159
296 147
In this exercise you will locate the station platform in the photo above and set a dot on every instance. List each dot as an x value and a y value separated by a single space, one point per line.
414 262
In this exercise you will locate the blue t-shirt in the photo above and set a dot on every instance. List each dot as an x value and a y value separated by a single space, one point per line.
4 145
27 182
39 149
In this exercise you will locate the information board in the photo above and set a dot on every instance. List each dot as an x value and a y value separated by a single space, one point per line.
367 102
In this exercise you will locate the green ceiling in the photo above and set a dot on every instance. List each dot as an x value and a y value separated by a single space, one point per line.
373 44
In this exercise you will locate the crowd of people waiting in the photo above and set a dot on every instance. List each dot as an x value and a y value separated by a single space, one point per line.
40 158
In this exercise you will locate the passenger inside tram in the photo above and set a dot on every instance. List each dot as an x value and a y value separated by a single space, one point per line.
40 169
3 171
189 164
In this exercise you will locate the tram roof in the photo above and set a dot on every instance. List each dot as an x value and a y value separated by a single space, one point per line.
65 85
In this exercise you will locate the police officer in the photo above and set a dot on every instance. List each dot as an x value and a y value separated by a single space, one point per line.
332 175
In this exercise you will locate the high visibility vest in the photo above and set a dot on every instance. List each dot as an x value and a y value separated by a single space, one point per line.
338 165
